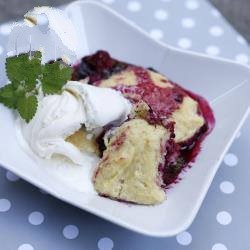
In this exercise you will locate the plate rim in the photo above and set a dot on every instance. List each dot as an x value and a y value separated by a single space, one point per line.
122 222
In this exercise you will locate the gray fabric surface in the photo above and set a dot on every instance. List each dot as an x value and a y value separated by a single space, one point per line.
32 220
237 13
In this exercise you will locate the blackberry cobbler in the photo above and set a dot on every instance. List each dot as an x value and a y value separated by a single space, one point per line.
145 155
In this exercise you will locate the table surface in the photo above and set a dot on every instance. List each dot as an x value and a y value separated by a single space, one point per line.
33 220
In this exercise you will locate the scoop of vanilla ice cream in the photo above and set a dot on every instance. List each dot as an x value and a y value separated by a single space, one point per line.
59 116
101 105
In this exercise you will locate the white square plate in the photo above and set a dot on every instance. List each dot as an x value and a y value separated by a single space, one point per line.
225 84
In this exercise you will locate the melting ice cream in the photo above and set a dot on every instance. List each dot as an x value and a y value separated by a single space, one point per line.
59 116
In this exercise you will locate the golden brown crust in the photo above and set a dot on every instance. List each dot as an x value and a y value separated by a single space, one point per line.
129 167
128 77
125 77
159 80
187 120
83 142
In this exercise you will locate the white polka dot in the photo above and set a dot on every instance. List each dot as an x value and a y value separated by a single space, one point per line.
242 58
25 247
5 29
215 13
5 205
108 1
70 232
134 6
231 160
36 218
241 40
224 218
219 246
213 50
11 176
192 4
156 34
105 244
216 31
1 50
185 43
188 23
227 187
161 15
184 238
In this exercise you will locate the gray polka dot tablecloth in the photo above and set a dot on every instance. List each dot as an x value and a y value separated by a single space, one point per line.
30 219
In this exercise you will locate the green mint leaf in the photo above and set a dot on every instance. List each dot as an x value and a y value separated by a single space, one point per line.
54 76
24 70
7 96
27 107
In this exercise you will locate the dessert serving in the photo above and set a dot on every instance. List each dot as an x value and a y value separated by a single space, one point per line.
162 135
130 128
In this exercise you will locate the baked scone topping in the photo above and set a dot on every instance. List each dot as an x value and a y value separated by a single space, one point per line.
128 169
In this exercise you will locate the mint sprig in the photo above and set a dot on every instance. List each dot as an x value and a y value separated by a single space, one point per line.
24 70
7 96
25 73
27 107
